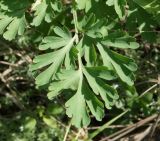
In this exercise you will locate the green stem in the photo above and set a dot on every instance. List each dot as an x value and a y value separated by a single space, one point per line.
79 53
75 21
76 34
95 133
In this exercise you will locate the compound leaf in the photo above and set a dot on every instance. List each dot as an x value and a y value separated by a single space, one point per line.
54 59
45 10
12 18
55 42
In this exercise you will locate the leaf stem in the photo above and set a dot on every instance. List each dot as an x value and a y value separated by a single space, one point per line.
77 38
75 17
75 21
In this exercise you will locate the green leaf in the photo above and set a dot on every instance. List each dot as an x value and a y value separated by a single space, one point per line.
79 114
67 79
55 42
13 6
12 25
71 57
120 40
122 65
71 79
4 21
138 23
44 11
151 6
102 72
12 18
29 123
97 30
51 122
110 2
54 109
40 13
83 97
95 105
16 26
54 60
108 94
119 6
85 63
90 52
84 4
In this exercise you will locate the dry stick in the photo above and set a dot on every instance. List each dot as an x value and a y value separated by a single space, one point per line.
129 129
155 125
138 136
158 117
111 126
78 134
114 126
155 85
142 135
67 131
13 96
9 64
145 92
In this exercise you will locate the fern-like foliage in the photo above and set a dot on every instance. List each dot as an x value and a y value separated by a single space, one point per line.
12 18
81 54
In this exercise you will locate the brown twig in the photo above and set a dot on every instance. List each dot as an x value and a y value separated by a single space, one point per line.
114 126
7 63
129 129
154 126
138 136
111 126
